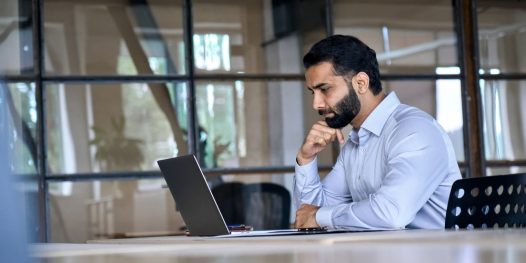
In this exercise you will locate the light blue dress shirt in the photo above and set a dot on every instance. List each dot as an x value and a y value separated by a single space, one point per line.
396 171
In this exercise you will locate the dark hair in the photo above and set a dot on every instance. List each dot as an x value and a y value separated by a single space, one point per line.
347 54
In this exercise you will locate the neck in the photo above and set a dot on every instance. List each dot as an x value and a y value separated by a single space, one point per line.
368 106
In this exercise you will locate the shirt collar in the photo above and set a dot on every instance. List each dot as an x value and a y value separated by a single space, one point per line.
375 122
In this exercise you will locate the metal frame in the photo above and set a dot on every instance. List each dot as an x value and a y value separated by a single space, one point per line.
193 123
157 174
72 79
38 62
465 17
329 27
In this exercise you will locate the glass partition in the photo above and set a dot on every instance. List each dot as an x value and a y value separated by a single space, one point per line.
113 38
114 127
504 119
16 37
82 211
409 37
20 101
236 37
502 36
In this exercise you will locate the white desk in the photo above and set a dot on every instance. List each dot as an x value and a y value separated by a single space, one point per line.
392 246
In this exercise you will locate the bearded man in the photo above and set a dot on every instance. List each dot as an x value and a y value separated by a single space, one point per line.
396 166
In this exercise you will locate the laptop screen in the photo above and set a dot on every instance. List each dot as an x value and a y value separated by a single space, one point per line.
192 196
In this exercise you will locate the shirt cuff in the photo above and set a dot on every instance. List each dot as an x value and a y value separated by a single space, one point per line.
324 217
307 174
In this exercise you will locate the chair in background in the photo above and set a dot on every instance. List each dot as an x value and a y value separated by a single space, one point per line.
260 205
267 206
487 202
229 198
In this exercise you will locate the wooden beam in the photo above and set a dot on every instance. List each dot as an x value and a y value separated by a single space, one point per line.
466 27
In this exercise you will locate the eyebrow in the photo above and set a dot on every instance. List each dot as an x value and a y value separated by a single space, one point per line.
318 86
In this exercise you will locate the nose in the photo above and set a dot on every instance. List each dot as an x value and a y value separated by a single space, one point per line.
318 101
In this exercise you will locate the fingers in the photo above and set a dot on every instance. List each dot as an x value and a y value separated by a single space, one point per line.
300 219
306 216
319 136
322 130
339 134
297 224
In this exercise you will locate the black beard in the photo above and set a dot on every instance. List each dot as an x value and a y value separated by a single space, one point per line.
344 112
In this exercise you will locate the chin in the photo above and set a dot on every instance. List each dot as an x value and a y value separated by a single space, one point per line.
336 125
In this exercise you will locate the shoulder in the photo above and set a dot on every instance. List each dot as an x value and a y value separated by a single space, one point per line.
413 127
411 119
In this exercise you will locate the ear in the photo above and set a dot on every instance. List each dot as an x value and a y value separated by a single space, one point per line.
361 82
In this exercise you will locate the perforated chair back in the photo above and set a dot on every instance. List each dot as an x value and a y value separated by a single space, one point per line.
260 205
487 202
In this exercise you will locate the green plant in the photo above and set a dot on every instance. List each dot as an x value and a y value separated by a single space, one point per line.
114 150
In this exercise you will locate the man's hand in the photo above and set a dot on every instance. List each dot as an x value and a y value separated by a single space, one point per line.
319 136
306 216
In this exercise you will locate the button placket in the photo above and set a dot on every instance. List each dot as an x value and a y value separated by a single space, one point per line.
359 164
361 159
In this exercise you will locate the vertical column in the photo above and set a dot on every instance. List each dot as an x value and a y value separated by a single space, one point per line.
466 29
329 31
193 125
329 26
38 60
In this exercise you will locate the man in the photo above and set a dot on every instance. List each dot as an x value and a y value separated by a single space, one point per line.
397 165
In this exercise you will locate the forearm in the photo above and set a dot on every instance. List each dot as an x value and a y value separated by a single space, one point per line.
307 185
309 189
372 213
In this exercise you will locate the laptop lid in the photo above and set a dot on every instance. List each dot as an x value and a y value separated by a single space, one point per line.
192 196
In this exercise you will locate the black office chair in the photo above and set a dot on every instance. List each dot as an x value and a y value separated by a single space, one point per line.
229 198
267 206
260 205
487 202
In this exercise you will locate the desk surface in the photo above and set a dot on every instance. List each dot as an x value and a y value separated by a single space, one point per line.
391 246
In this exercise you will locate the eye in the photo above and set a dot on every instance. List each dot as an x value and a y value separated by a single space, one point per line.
324 89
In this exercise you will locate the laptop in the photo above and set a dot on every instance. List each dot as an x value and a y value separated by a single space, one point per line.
197 205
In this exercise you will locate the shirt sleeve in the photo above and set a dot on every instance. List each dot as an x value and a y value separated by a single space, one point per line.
416 159
309 189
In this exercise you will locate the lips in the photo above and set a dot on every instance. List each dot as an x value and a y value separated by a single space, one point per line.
327 113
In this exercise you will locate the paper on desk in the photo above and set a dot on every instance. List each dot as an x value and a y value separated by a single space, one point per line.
284 232
255 233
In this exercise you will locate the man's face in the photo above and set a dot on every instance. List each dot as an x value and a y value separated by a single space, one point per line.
334 97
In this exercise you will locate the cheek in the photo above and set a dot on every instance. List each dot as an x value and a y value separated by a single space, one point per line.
334 99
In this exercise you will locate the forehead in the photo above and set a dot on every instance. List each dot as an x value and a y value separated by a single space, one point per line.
319 73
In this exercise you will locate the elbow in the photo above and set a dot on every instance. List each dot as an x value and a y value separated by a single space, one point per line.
396 223
392 222
390 215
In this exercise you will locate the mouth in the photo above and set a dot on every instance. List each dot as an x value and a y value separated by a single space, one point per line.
328 115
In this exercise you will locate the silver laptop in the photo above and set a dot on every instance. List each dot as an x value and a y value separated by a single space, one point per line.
198 206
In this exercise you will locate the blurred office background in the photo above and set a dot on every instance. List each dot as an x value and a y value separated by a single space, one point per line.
97 91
